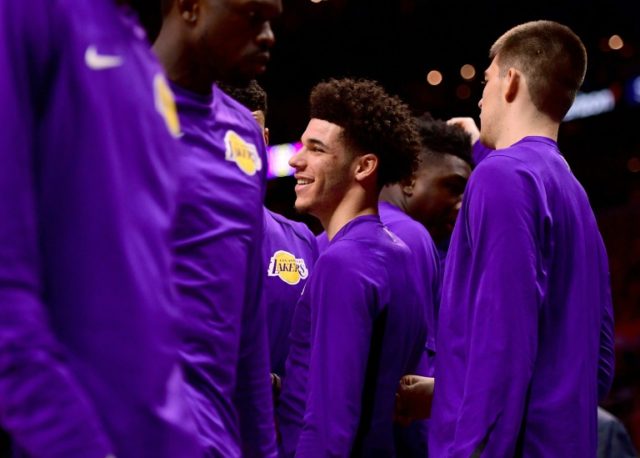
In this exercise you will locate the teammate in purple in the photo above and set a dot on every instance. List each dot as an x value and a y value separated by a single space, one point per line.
364 320
429 199
525 345
289 250
88 349
218 232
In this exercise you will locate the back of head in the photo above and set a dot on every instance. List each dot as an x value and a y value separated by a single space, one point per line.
552 58
439 138
251 95
372 122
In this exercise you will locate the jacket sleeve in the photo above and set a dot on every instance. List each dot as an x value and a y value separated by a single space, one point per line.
606 361
42 406
342 313
254 396
500 226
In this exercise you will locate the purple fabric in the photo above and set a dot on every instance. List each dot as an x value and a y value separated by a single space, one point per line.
411 441
427 269
479 152
218 242
525 334
367 329
289 253
88 345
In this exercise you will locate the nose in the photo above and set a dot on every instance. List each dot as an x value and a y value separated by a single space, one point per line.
297 161
266 38
480 104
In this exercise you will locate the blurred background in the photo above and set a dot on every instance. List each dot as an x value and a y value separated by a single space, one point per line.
433 55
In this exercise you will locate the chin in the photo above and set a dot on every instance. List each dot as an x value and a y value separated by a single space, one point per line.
301 207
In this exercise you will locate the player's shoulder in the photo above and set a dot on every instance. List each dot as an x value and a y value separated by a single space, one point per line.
232 106
405 226
295 228
344 252
501 170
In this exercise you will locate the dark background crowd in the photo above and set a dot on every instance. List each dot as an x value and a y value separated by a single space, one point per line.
399 42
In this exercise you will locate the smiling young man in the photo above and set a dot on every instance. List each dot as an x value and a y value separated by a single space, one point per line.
360 321
525 345
219 223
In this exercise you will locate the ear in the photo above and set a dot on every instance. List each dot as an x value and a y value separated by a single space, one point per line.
366 166
189 10
513 79
407 186
266 135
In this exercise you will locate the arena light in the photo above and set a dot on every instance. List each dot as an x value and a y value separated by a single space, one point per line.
591 104
634 93
278 158
615 42
467 71
434 77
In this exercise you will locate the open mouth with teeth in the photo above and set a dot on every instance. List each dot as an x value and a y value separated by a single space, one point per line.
301 183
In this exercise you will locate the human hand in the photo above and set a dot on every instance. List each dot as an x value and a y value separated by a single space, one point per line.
468 125
413 399
276 387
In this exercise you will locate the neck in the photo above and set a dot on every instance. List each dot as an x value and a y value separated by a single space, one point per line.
357 202
526 121
180 60
393 194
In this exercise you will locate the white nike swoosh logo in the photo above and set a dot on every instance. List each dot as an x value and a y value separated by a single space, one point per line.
97 61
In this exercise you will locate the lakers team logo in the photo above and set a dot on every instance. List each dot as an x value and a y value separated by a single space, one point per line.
166 104
285 265
244 154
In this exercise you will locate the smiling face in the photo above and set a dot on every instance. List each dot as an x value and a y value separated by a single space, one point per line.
491 105
436 194
324 170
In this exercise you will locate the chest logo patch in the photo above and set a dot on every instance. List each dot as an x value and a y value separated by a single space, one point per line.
244 154
166 104
286 266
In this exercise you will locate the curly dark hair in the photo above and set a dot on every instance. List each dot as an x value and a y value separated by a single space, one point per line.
439 138
373 122
250 95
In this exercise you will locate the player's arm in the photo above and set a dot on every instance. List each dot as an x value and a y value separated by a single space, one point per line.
606 361
479 151
413 399
42 405
342 314
254 391
294 386
503 327
253 396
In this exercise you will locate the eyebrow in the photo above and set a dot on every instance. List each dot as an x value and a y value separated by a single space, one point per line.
456 176
316 142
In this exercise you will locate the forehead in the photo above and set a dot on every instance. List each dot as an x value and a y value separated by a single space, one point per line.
272 6
319 130
493 68
445 165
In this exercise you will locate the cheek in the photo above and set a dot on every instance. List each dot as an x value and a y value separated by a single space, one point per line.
441 200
